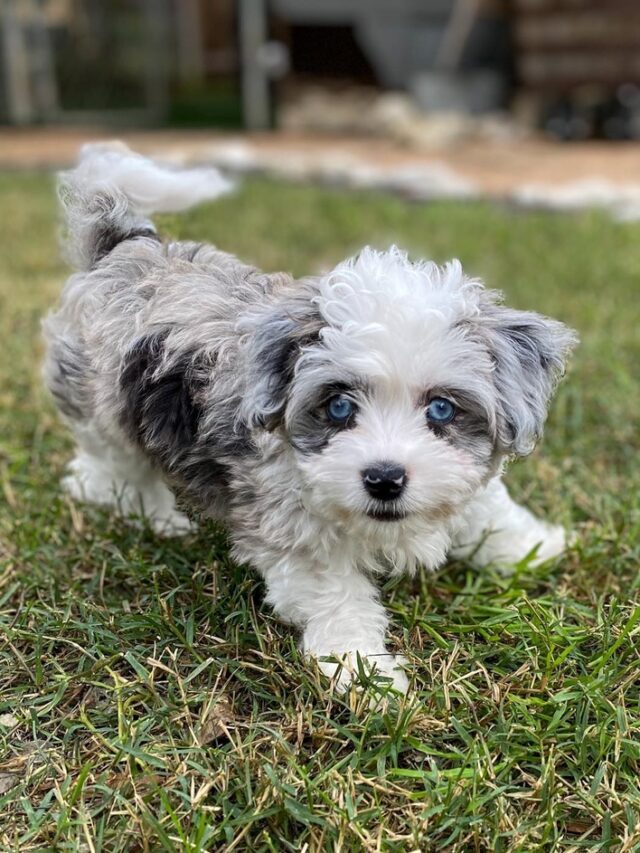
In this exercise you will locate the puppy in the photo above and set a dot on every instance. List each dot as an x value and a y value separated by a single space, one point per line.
343 426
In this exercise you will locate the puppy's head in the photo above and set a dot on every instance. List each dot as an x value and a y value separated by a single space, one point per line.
400 386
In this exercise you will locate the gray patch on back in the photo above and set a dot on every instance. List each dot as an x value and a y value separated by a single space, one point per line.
68 376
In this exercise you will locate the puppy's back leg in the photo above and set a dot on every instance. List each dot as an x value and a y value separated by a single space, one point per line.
109 475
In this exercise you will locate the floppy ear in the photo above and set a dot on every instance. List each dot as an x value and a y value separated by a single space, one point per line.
529 352
273 347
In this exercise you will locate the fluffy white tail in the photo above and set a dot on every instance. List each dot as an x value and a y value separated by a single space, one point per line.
109 195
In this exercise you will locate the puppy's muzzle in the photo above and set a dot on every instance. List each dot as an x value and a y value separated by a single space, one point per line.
384 481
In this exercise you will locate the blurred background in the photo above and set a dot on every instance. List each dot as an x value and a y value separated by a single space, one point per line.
568 67
486 93
441 125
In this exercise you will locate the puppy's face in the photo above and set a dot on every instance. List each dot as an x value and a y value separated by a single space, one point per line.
387 448
401 386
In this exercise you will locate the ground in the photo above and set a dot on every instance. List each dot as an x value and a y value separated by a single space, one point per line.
495 168
150 701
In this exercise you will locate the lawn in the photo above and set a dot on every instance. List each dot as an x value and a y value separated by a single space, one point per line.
150 701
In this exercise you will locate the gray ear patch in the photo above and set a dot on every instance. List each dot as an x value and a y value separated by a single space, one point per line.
529 352
273 350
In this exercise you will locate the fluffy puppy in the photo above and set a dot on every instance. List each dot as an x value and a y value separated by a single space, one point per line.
342 426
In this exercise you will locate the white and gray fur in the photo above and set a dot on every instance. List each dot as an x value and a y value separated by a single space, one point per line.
181 369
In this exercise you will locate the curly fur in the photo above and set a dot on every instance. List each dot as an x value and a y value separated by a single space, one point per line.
181 369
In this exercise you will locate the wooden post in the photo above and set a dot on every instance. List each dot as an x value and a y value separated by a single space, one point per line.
255 82
20 106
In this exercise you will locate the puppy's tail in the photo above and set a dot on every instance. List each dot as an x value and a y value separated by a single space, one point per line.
108 197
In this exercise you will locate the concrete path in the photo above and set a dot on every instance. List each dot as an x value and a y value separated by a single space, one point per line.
530 171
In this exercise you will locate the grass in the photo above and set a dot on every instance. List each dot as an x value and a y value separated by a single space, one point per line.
148 699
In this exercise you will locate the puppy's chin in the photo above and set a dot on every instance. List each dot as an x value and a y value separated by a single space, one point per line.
387 514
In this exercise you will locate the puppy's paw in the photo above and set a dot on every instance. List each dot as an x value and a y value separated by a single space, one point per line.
383 670
505 549
172 524
553 544
85 488
545 540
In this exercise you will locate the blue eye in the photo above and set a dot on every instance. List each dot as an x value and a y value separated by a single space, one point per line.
440 411
340 409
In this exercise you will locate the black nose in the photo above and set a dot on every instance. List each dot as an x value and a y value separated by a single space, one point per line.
384 481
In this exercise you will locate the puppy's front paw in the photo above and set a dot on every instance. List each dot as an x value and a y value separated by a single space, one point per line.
554 542
506 548
548 540
346 668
